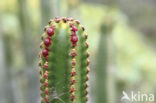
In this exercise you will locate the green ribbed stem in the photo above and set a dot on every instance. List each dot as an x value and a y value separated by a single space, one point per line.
64 62
102 62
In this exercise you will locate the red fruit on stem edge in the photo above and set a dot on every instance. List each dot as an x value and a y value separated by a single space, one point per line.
47 41
74 28
74 38
45 52
50 31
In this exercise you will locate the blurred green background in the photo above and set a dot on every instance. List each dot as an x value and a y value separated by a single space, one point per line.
122 38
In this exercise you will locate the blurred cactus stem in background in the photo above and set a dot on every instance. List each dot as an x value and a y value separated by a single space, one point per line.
101 72
64 62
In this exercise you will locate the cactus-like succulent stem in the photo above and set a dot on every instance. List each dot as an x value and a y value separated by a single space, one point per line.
64 62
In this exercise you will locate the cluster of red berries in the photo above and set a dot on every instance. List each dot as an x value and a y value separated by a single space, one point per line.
73 38
47 41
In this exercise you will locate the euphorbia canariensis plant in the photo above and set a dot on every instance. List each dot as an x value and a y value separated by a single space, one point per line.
64 62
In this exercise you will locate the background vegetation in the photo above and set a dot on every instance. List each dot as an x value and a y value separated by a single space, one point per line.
122 38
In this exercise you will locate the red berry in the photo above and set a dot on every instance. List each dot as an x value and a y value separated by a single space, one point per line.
73 53
45 52
73 63
72 89
46 75
73 73
74 38
72 97
74 28
73 81
46 58
45 66
73 45
47 41
50 31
